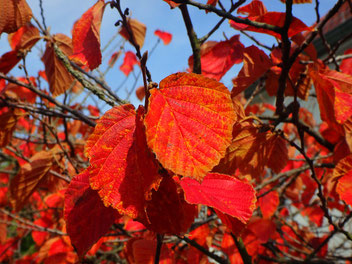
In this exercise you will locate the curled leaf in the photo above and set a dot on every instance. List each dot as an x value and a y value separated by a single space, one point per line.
137 29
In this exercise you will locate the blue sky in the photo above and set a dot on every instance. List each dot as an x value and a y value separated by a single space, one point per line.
156 14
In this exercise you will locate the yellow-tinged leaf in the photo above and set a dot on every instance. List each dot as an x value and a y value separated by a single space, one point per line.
29 177
137 29
189 123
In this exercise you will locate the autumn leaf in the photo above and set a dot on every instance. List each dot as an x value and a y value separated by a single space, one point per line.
122 169
189 123
167 211
251 150
14 14
24 38
79 215
58 77
86 36
255 64
20 41
166 37
171 3
218 57
8 121
129 61
222 192
274 19
268 202
20 92
344 187
254 8
137 29
29 178
140 93
114 58
346 64
144 252
343 167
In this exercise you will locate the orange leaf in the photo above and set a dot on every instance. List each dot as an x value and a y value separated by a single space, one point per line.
343 167
79 215
58 77
252 150
29 178
344 187
166 37
128 62
22 93
86 36
137 29
8 121
269 202
346 64
218 57
140 93
222 192
114 58
255 64
254 8
167 211
122 169
172 3
14 14
24 38
189 123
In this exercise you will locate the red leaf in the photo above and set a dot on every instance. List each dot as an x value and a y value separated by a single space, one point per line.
346 64
298 1
167 211
164 36
189 123
14 14
255 64
344 187
84 210
86 36
225 193
122 169
128 62
144 252
218 58
172 3
8 61
274 19
24 38
114 58
269 202
254 8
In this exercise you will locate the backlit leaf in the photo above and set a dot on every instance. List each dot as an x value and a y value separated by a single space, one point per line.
29 178
274 19
114 58
344 187
343 167
222 192
8 121
255 64
84 210
144 252
122 168
24 38
129 61
254 8
14 14
251 150
58 77
346 64
137 29
167 211
86 36
218 58
189 123
166 37
8 61
269 202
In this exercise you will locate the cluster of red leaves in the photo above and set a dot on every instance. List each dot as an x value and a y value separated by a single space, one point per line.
152 169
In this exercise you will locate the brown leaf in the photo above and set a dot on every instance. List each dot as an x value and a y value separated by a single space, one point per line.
8 122
29 177
59 78
14 14
137 29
